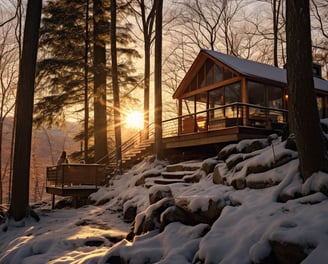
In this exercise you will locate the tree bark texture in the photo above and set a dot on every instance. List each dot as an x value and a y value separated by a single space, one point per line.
303 113
19 206
100 74
116 90
86 85
158 80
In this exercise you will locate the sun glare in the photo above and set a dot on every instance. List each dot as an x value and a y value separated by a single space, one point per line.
134 120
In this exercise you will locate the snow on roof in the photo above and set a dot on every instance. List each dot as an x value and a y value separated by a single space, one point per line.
259 70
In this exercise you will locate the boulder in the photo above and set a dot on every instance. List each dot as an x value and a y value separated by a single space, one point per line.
234 160
150 219
217 177
254 145
208 165
176 214
286 253
199 211
129 212
238 183
283 159
291 142
158 192
227 152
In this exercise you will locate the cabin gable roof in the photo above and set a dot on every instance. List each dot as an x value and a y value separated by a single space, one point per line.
242 67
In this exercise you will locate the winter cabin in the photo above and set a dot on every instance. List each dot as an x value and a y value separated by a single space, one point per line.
223 99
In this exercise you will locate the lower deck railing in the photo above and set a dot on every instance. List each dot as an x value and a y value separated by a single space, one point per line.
73 175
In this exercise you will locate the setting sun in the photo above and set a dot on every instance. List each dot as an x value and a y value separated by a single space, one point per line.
135 120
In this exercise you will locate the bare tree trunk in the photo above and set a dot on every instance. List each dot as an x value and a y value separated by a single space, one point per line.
147 29
276 12
146 89
86 86
303 112
158 80
19 206
148 24
116 89
100 111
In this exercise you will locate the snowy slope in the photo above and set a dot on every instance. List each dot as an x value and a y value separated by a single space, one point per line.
250 223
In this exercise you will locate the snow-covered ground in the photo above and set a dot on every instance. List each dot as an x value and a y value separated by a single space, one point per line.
249 221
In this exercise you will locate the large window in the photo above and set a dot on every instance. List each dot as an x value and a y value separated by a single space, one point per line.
265 95
275 97
232 93
256 93
208 74
188 105
216 100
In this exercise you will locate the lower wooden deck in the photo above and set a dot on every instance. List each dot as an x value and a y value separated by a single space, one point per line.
76 180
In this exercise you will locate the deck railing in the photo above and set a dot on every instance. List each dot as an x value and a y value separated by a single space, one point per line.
236 114
73 175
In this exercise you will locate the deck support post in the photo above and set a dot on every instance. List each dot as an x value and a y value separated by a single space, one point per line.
53 201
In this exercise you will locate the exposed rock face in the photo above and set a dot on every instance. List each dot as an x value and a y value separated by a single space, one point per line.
285 253
235 170
209 165
238 183
129 212
291 143
217 177
182 212
164 209
157 193
151 217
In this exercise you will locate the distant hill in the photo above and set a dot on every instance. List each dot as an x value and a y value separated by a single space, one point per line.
47 145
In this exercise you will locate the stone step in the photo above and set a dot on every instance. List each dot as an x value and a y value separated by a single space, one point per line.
160 181
176 174
184 166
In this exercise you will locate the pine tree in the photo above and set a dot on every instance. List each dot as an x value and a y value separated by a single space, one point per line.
61 70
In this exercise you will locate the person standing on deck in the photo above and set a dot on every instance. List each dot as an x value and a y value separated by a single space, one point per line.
62 159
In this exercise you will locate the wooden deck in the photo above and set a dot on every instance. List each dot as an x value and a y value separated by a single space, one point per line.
76 180
226 135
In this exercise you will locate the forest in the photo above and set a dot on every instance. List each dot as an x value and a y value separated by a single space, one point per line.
83 65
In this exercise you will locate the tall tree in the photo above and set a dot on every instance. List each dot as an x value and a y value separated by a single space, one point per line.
158 79
303 113
60 76
276 5
100 28
86 84
25 94
8 84
146 26
116 89
61 69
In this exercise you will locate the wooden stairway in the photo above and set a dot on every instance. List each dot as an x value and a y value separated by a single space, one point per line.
133 150
137 153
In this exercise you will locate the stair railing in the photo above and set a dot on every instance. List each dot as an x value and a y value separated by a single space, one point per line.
130 144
